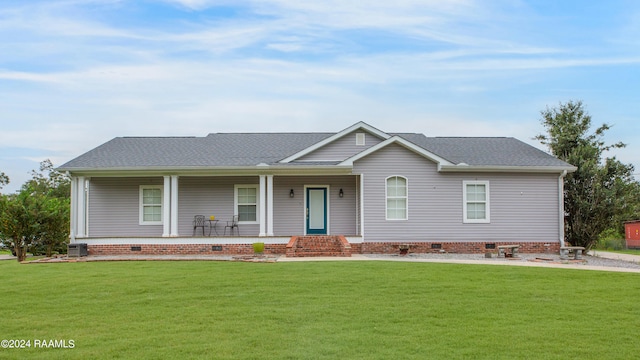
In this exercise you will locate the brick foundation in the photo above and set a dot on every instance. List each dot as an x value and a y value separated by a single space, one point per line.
457 247
186 249
320 246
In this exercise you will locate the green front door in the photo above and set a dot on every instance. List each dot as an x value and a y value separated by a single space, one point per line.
316 211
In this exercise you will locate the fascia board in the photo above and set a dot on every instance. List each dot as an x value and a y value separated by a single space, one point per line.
505 169
398 140
212 171
359 125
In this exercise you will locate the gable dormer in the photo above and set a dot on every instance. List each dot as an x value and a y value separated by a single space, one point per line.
344 148
343 145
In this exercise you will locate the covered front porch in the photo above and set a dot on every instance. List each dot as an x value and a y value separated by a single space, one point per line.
274 207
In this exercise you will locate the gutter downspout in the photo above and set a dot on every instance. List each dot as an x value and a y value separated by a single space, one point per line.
561 206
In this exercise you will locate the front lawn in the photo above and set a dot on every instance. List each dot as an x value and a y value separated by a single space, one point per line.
318 310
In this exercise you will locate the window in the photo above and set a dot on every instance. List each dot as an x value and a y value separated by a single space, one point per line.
396 198
476 201
360 138
151 204
246 203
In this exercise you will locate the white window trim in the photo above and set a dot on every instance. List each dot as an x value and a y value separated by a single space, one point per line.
235 202
360 139
141 204
487 218
386 198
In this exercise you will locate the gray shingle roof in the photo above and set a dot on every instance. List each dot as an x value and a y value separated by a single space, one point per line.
210 151
486 151
251 149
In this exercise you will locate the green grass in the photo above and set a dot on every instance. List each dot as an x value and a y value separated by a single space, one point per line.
319 310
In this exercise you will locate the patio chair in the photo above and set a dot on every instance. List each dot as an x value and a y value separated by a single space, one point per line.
198 222
231 225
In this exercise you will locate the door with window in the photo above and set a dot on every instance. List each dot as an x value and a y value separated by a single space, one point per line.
316 219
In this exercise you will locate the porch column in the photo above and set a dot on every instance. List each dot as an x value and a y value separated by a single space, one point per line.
73 221
166 207
87 190
263 206
362 205
174 205
269 205
81 208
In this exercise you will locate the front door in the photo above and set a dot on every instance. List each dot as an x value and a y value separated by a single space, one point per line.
316 211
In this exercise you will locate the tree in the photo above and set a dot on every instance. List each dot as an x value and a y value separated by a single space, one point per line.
4 180
37 216
54 220
601 190
18 221
49 181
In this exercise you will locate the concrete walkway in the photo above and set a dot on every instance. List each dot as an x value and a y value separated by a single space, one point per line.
495 261
615 256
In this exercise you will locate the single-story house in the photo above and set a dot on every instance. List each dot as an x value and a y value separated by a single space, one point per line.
362 189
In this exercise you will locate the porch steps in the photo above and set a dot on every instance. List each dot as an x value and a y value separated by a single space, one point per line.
318 245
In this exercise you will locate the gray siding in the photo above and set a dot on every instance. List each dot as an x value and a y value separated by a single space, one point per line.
524 207
342 148
114 207
210 196
289 213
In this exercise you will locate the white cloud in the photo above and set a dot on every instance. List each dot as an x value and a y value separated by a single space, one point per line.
196 4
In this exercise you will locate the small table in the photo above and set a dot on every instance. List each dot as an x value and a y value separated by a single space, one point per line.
212 225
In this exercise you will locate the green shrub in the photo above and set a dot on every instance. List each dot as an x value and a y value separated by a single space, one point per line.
611 239
258 247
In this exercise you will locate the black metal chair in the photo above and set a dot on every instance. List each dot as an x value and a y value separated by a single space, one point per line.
198 222
231 225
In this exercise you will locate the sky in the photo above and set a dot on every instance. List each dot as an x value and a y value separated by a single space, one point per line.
76 73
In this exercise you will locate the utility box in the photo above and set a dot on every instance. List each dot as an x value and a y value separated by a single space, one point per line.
77 250
632 234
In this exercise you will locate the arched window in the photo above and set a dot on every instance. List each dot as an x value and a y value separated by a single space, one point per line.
397 198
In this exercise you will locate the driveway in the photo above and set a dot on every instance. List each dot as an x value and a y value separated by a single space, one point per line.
615 256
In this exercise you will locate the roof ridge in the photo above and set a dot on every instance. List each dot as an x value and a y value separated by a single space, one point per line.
272 133
156 137
470 137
